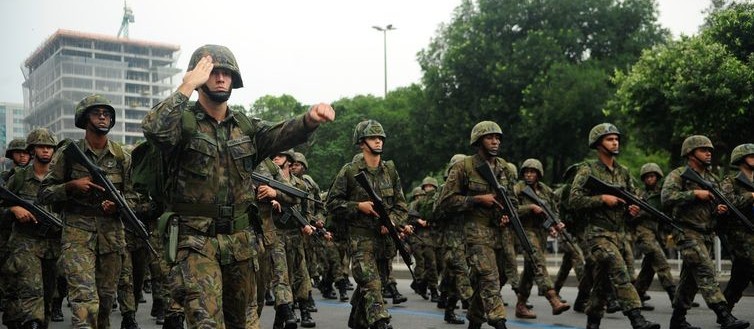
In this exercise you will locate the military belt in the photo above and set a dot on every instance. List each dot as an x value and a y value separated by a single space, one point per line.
36 231
363 231
209 210
84 210
216 228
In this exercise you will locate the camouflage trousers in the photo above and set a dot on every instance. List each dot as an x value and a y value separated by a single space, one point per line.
426 261
697 271
367 305
654 261
126 295
506 259
610 274
486 302
538 238
313 251
32 268
158 269
573 258
295 257
385 252
331 264
741 245
215 289
92 278
456 269
344 270
264 276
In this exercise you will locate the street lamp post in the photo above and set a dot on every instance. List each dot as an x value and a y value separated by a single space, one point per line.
384 30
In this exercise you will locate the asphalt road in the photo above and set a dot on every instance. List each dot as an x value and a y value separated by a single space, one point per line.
418 313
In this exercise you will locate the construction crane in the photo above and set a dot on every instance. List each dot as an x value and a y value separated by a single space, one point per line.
128 17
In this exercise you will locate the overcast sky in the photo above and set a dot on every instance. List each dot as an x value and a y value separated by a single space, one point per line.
314 50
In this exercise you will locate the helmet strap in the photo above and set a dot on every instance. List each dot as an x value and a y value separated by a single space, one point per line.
217 97
373 151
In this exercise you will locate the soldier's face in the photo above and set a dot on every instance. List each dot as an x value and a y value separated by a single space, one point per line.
100 118
531 176
21 158
611 144
491 143
280 160
428 187
650 179
220 80
374 144
703 155
297 168
43 153
749 159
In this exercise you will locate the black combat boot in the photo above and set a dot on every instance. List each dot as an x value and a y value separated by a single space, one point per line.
498 324
638 321
327 290
593 322
284 317
316 282
269 299
671 293
158 310
306 317
646 306
450 314
342 290
465 304
612 305
475 325
678 319
397 297
725 319
57 310
310 305
442 302
434 297
381 324
129 321
173 321
579 305
33 324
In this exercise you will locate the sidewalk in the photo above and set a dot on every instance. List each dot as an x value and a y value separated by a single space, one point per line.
553 265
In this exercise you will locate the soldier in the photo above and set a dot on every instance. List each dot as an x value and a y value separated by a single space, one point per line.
467 195
347 201
740 241
606 229
93 236
424 241
33 254
532 219
573 256
646 235
696 212
18 154
455 284
210 170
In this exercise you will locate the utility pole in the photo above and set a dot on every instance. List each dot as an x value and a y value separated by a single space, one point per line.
384 30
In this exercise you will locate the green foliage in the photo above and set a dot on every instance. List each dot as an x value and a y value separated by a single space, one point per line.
276 108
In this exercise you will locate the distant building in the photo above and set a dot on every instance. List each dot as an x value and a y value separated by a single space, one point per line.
11 125
133 74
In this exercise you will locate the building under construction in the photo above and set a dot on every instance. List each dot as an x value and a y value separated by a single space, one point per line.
134 75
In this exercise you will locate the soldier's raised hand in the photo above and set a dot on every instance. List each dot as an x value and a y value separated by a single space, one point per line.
197 77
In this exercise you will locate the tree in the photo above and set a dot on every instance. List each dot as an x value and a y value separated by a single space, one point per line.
276 108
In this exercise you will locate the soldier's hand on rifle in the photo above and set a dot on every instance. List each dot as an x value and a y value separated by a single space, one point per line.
721 209
408 229
422 223
611 200
559 226
197 77
383 230
109 207
23 215
536 209
276 205
319 224
365 207
633 210
504 220
307 230
266 192
553 231
328 236
83 184
703 195
486 200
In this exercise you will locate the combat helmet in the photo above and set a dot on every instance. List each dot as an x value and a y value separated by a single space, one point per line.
429 181
288 154
694 142
513 170
417 191
367 128
453 160
222 58
299 157
484 128
17 144
89 102
533 164
740 152
650 167
600 131
40 136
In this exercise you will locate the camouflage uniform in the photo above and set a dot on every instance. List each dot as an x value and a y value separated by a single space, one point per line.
211 191
93 242
646 236
481 231
739 240
364 233
32 262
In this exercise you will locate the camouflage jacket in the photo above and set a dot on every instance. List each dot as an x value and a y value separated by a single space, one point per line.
601 218
26 185
269 215
463 183
345 195
529 219
83 210
687 210
651 196
213 165
315 210
740 195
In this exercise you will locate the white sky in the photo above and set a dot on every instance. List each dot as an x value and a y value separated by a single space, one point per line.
314 50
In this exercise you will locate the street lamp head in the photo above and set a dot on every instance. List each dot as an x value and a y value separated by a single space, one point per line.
389 27
378 28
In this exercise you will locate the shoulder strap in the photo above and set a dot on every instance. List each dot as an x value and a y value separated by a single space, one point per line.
119 155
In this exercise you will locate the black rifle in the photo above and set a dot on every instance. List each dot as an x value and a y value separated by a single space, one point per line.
597 186
127 215
552 218
691 175
287 189
485 171
289 212
46 220
384 218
